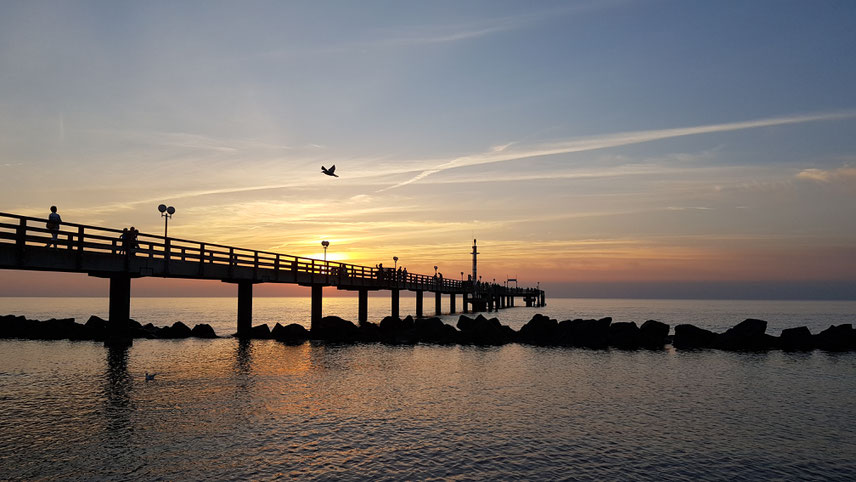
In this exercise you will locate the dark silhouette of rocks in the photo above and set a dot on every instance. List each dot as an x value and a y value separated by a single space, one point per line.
690 336
540 330
796 339
291 334
333 328
177 330
746 335
624 335
433 330
203 330
483 331
836 338
653 335
585 333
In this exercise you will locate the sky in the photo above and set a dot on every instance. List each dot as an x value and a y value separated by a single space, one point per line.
650 148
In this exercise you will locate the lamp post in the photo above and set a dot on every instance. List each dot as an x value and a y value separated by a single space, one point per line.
325 244
462 276
395 261
435 271
166 214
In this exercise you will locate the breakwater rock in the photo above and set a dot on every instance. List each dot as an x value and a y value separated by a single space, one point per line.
95 328
541 330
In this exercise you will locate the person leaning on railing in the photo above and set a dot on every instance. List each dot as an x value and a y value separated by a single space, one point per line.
53 226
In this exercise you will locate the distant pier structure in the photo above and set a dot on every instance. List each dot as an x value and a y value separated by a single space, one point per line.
101 252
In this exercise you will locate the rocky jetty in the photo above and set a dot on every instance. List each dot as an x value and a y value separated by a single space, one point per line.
541 330
95 328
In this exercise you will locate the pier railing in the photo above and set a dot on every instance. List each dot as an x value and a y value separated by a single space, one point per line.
28 233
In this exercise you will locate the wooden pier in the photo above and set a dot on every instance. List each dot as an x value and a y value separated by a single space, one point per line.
100 252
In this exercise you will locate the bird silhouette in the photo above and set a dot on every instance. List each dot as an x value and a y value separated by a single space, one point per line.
331 171
150 376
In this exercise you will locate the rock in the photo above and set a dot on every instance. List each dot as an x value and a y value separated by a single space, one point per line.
433 330
689 336
333 328
481 331
797 339
746 335
540 330
369 332
260 332
203 330
292 334
62 329
177 330
396 330
653 334
586 333
12 326
836 338
624 335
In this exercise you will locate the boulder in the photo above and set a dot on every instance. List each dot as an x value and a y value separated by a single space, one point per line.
797 339
585 333
260 332
62 329
291 334
177 330
433 330
333 328
624 335
540 330
690 336
369 332
481 331
746 335
203 330
12 326
397 330
653 334
836 338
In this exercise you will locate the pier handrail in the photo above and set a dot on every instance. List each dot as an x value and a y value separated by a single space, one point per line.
29 231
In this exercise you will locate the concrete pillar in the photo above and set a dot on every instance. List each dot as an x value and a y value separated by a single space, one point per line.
316 306
119 311
394 298
438 304
245 308
464 302
543 299
419 311
364 305
502 301
452 309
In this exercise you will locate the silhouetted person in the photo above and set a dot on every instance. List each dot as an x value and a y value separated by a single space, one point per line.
405 274
53 226
380 271
125 241
132 246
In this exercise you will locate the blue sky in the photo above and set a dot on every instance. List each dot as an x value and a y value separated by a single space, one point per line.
610 141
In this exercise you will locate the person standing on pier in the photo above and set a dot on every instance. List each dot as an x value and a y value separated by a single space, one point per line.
53 226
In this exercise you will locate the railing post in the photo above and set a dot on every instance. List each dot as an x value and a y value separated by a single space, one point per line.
21 239
276 264
166 254
201 258
231 261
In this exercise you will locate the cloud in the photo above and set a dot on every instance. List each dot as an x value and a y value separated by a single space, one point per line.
842 174
612 140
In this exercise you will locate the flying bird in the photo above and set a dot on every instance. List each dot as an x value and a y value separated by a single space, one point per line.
331 171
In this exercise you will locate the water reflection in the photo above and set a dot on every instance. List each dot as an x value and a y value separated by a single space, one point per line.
243 365
118 410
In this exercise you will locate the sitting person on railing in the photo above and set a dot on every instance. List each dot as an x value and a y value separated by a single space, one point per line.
53 226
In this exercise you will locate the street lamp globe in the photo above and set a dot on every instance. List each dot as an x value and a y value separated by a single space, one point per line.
325 244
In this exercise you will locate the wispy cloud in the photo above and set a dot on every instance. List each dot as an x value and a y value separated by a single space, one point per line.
612 140
828 176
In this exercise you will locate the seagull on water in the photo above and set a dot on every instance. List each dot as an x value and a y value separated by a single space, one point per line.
331 171
150 376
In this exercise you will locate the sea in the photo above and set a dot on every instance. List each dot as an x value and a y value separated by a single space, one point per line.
226 409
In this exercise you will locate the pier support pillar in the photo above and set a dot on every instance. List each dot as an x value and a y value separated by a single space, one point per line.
438 303
363 315
317 291
245 308
464 303
394 303
452 309
419 303
119 311
543 299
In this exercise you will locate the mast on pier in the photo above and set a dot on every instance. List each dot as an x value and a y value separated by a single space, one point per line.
475 262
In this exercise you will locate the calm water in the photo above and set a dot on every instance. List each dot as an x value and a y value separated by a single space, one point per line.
261 410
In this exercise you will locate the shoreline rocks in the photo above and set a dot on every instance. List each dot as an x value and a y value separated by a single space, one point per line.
541 330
